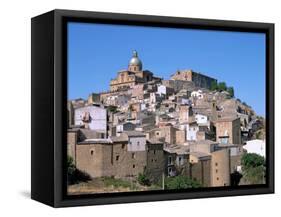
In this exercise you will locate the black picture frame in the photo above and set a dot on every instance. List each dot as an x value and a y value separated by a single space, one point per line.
49 82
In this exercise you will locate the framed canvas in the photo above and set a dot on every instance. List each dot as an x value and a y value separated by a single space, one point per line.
133 108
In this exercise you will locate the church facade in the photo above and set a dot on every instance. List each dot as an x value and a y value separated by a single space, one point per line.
132 76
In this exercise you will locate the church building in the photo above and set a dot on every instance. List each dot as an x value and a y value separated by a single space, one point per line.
132 76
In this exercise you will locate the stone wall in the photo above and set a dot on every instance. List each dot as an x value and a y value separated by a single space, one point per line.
220 168
178 85
231 127
72 136
111 160
201 80
198 79
106 159
201 172
180 137
155 162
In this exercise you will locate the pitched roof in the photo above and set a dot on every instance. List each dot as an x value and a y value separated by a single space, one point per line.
177 149
122 138
200 154
134 134
96 141
154 141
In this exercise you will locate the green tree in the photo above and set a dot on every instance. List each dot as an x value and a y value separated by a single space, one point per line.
230 90
252 160
180 182
214 86
253 168
222 86
70 166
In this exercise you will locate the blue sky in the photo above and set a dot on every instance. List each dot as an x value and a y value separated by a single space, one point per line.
96 52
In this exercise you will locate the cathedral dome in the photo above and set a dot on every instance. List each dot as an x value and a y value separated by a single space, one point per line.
135 61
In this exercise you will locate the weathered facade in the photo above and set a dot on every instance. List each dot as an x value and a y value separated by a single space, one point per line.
198 79
121 157
228 130
220 168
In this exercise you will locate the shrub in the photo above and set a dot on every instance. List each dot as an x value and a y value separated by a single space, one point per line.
143 180
70 166
181 182
230 90
222 86
73 174
214 86
253 166
252 160
116 183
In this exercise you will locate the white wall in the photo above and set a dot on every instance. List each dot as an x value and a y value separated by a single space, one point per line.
191 132
137 143
201 119
15 89
98 118
162 90
255 146
197 94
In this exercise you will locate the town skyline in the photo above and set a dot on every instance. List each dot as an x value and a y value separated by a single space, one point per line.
83 68
147 133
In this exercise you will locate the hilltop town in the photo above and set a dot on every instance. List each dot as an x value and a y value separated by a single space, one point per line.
146 128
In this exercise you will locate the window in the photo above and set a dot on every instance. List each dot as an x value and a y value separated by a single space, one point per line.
169 170
134 165
154 152
216 171
179 160
133 155
138 143
117 157
217 178
169 160
157 133
92 152
123 146
224 140
216 164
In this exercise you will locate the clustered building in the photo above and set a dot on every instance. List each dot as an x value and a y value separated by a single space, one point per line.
157 127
